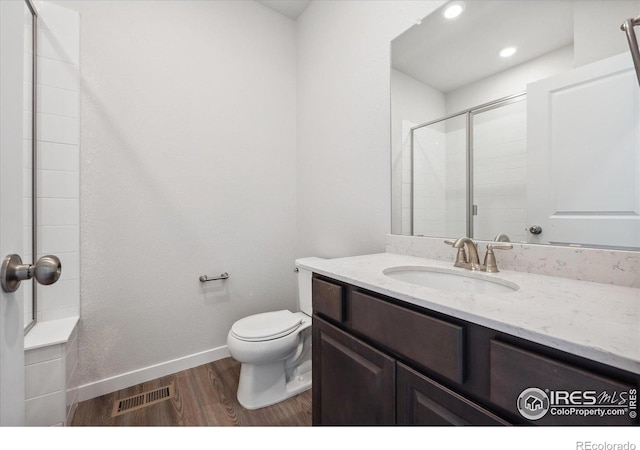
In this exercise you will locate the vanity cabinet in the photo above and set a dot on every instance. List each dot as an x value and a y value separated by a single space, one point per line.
381 361
423 401
355 382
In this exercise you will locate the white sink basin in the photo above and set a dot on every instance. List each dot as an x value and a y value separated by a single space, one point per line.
451 280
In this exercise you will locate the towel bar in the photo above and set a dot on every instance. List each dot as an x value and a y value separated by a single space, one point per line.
223 276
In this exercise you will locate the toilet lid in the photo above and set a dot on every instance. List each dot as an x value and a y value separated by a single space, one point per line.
266 326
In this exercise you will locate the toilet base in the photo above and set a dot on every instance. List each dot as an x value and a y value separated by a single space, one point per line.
267 384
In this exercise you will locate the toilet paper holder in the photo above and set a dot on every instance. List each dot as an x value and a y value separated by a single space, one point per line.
205 278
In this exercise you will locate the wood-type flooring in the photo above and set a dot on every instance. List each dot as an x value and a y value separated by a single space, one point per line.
204 396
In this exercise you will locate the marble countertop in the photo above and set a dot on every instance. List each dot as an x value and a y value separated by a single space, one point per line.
597 321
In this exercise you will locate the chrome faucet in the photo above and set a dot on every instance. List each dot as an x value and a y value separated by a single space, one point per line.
473 262
502 238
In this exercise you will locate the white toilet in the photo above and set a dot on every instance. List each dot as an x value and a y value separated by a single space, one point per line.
275 351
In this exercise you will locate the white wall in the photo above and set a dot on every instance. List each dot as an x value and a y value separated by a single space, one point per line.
188 168
414 102
509 82
597 32
344 171
58 157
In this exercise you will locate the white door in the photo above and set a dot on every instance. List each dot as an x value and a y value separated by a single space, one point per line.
584 156
11 205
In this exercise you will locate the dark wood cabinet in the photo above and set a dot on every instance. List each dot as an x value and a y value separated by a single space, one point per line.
512 370
328 299
380 361
425 340
422 401
353 383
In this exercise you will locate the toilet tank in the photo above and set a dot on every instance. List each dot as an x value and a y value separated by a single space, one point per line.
304 291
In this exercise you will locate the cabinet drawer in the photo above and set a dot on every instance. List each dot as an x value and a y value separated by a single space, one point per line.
431 342
328 299
422 401
513 370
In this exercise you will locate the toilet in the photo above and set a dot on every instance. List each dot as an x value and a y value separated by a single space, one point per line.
274 349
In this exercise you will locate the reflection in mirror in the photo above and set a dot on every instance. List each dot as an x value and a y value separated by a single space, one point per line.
439 187
542 145
499 152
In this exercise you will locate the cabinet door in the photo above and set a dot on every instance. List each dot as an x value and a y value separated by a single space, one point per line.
563 390
353 383
422 401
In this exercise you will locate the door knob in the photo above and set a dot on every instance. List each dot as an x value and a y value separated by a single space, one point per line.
46 270
535 229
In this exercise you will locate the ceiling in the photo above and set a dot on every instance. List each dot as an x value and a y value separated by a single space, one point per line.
290 8
447 54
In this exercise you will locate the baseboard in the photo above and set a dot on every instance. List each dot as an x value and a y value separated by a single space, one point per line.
112 384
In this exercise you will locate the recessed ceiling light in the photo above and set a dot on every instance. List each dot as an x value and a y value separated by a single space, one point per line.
453 10
507 52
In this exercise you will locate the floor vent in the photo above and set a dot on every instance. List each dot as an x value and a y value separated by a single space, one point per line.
142 400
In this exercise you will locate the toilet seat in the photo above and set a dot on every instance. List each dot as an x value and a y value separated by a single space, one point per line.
266 326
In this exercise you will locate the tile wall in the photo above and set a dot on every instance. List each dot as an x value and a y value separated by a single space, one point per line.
58 147
51 347
49 370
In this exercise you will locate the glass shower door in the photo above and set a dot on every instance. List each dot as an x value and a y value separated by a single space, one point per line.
499 155
439 179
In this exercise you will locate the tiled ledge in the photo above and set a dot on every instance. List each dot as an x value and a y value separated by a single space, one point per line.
616 267
50 332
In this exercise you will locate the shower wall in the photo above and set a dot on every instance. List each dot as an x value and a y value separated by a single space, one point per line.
58 157
500 172
51 347
188 168
58 139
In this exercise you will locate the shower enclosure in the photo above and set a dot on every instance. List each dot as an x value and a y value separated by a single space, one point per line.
469 172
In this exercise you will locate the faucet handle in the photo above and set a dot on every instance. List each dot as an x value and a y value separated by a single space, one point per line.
499 246
461 257
490 263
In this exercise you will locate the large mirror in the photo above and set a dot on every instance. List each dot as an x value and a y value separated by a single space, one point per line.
518 120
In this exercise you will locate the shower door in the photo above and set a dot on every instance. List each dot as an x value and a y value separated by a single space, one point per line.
499 152
469 173
439 178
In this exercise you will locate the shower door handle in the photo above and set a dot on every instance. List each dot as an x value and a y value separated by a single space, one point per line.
46 270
